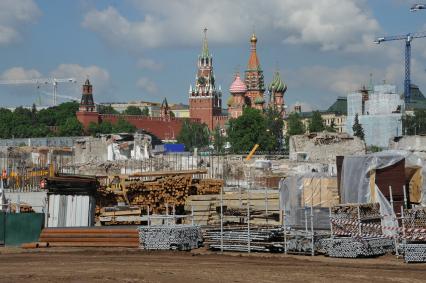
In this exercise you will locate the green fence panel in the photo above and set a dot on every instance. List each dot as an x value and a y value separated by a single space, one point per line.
2 227
22 228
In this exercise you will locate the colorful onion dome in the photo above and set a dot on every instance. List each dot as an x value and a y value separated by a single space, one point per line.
237 86
277 84
259 100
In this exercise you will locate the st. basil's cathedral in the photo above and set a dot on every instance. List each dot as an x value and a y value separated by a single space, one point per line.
205 100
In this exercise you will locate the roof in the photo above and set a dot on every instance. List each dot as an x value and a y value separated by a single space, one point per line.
277 84
253 62
205 49
340 106
417 101
238 86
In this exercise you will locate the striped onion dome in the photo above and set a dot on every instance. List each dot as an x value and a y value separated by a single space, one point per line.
238 86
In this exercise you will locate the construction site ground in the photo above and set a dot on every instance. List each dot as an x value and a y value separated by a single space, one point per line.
133 265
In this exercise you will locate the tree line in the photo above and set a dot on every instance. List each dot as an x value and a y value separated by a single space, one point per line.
54 121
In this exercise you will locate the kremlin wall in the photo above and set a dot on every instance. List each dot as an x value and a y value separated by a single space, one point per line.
205 98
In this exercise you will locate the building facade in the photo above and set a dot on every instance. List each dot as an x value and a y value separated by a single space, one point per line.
205 100
379 113
164 127
251 91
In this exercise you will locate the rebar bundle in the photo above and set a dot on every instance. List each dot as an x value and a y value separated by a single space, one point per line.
170 237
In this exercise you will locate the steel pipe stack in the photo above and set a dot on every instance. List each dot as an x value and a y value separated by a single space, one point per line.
170 237
348 247
415 231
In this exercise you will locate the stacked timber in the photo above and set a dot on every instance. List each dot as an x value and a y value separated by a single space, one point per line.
171 191
90 237
206 208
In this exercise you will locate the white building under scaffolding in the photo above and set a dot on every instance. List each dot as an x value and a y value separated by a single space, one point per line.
379 112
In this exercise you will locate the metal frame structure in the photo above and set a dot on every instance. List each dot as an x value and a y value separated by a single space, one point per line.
408 38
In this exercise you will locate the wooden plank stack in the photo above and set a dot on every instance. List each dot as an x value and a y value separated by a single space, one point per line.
90 237
207 208
171 191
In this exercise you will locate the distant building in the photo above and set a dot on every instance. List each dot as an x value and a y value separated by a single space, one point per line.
379 112
334 116
250 92
122 106
205 100
164 127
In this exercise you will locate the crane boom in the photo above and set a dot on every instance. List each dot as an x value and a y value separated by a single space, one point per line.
51 81
37 81
408 38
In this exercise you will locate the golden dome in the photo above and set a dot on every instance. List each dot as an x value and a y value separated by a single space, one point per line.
253 38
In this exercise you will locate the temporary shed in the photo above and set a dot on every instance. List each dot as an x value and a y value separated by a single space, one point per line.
71 201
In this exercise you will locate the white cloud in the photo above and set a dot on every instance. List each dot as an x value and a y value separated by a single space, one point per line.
14 15
98 76
19 73
147 85
146 63
329 24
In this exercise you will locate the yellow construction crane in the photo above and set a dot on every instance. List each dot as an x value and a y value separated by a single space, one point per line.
252 152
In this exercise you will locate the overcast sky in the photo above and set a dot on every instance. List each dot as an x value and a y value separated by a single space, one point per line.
147 49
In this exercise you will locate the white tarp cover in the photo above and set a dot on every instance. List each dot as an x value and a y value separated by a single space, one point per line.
355 179
297 206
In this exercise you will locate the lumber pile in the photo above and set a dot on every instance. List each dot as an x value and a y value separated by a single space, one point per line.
90 237
171 191
206 208
157 190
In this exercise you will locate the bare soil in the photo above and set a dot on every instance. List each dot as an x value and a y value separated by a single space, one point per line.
132 265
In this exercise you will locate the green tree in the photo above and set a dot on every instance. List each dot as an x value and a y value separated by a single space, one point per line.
218 139
122 126
295 125
145 112
132 110
414 124
332 127
357 128
107 109
274 125
71 127
316 123
193 135
104 127
250 129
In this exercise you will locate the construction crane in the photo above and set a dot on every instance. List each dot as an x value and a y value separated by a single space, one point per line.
72 98
46 81
408 38
417 7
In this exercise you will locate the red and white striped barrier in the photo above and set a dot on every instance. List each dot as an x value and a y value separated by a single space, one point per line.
390 228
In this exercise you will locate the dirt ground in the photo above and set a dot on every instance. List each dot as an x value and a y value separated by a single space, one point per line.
132 265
